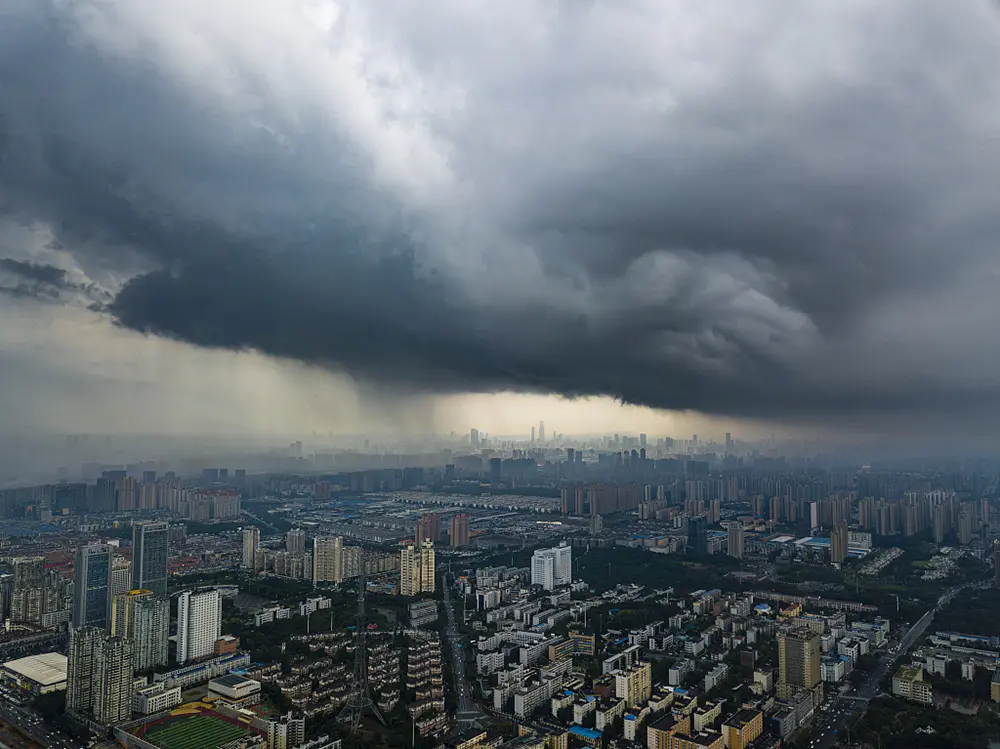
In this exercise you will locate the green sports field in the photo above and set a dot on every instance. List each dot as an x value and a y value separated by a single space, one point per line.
196 732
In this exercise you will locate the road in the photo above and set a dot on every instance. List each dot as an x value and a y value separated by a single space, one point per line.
35 727
467 713
843 709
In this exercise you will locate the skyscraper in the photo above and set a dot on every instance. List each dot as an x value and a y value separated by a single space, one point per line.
251 542
121 576
697 535
838 544
150 551
92 587
295 541
553 567
736 539
541 431
144 620
81 679
113 674
458 530
798 661
328 560
428 527
416 568
199 624
474 438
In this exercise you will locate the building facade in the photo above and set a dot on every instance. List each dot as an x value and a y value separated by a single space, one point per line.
150 551
199 624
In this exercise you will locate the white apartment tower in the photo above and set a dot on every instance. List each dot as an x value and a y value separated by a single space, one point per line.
199 624
551 568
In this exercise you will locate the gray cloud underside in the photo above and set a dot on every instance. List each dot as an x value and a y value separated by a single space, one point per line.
749 211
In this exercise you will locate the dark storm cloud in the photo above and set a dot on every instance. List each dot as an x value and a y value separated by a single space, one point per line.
22 279
749 211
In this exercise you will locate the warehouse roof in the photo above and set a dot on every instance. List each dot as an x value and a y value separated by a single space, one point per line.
45 669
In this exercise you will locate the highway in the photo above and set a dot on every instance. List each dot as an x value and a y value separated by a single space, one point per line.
843 709
467 712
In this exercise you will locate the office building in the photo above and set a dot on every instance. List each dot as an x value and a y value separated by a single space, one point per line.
295 541
81 681
113 674
458 530
553 567
735 548
838 544
92 587
286 732
328 560
144 620
798 661
416 569
697 535
251 542
150 551
199 624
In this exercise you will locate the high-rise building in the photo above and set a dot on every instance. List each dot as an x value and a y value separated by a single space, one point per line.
113 674
328 560
150 551
38 596
295 541
634 684
838 544
251 542
417 568
92 582
940 524
474 438
541 431
697 535
735 539
428 527
965 526
144 620
121 576
996 568
199 624
458 530
81 677
286 732
553 567
798 661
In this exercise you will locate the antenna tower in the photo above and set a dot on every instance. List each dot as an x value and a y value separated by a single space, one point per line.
360 700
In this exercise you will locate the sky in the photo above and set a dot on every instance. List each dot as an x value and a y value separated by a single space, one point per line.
631 215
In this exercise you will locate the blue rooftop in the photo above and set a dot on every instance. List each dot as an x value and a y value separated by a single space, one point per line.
589 733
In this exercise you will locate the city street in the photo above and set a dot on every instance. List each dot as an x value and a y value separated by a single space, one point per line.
844 709
467 712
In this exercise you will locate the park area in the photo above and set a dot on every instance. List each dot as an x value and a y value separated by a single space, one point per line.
194 732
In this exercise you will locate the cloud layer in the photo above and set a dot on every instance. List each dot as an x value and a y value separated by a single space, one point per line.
760 211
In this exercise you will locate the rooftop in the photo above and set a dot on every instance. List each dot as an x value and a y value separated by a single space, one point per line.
230 680
45 669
